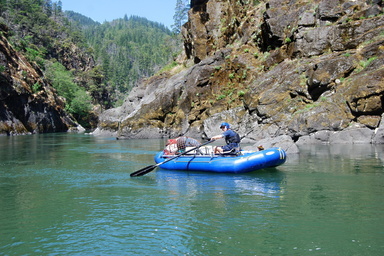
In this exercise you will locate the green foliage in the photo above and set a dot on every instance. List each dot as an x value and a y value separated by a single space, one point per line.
80 19
61 79
169 66
40 25
81 104
78 101
34 55
366 63
241 93
31 54
244 76
36 87
226 93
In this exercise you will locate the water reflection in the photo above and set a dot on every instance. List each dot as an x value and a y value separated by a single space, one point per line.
348 151
264 183
209 208
357 158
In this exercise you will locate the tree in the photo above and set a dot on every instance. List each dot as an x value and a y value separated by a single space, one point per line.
181 15
60 6
48 7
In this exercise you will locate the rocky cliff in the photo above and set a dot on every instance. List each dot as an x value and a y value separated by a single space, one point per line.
310 70
28 104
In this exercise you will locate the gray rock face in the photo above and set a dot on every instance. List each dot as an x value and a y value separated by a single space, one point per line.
353 135
378 137
285 142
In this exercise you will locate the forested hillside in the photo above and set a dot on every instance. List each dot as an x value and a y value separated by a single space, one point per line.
91 65
129 49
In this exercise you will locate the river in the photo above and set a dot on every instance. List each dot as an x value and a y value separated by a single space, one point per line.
71 194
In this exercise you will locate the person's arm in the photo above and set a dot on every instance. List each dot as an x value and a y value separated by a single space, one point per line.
217 137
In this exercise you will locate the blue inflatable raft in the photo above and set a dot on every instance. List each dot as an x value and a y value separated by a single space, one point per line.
244 161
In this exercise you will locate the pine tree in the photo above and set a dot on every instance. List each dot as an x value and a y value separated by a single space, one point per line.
181 15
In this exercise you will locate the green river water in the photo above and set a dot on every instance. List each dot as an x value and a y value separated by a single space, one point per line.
70 194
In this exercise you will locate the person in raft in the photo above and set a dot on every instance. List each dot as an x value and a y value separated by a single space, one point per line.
179 145
231 138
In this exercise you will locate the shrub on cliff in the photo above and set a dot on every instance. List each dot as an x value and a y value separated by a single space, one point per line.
78 102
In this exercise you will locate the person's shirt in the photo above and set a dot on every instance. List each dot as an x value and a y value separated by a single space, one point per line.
231 136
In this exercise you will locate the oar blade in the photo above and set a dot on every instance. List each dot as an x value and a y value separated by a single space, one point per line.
143 171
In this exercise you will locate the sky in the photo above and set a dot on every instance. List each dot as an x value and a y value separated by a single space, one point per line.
161 11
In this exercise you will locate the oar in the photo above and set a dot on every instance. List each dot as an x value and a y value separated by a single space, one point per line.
150 168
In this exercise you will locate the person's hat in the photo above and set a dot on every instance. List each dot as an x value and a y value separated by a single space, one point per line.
224 125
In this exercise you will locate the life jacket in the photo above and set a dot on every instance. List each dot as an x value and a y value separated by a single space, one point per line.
234 137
